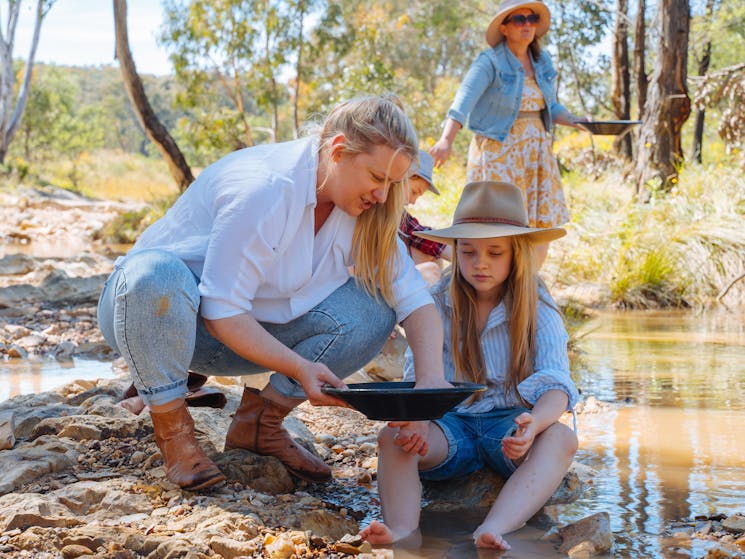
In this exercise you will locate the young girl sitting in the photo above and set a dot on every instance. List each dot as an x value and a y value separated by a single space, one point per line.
502 329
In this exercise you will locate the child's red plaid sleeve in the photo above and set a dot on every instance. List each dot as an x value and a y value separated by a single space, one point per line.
409 224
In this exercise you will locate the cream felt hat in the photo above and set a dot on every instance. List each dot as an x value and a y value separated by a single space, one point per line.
494 35
491 209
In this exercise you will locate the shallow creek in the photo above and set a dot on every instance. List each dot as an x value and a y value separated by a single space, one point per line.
671 449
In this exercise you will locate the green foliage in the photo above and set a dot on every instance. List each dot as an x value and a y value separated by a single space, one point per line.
678 249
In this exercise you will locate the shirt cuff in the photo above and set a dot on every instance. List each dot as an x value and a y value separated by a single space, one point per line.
457 116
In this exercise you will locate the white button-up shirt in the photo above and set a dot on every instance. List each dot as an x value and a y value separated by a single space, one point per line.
245 227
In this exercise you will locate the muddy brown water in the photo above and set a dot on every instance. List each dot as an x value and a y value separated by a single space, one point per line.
672 447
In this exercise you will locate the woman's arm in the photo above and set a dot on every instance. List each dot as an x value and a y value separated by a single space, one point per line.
568 119
444 146
479 77
245 336
423 329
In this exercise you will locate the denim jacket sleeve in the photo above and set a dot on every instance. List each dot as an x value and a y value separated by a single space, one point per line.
479 77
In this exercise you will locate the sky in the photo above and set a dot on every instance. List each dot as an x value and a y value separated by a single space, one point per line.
81 33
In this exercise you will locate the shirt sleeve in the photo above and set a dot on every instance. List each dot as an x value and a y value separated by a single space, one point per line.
478 78
409 225
410 291
551 366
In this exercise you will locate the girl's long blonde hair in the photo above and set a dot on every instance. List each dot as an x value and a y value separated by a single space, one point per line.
367 122
520 295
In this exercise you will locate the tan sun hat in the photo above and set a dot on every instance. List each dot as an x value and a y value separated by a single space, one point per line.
494 35
491 209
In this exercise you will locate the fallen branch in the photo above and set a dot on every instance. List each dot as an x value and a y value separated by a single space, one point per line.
726 289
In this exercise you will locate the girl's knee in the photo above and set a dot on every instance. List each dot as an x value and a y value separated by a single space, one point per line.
565 438
387 439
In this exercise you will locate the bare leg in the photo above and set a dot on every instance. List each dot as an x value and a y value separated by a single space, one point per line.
399 486
528 489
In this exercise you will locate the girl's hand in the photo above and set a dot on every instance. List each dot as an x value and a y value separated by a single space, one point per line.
315 376
412 436
518 445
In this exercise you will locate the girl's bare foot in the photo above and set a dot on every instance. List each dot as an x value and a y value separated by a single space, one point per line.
377 533
489 540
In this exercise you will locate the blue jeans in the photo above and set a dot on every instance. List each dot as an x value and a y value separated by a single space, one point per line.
149 312
475 441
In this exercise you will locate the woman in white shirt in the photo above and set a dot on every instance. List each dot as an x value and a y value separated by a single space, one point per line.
249 272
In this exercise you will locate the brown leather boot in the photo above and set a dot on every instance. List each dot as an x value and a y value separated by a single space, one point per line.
186 463
257 426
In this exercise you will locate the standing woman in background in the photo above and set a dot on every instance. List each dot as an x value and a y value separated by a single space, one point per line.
508 99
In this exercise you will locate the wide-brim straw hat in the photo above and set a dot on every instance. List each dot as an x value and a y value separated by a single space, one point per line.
494 35
488 210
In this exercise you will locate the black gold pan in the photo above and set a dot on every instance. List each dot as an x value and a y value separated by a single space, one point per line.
400 401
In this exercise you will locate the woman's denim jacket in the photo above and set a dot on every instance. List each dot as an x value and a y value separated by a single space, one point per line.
488 99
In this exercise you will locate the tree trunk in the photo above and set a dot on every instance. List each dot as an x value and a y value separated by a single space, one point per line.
621 84
9 123
298 70
668 105
640 72
154 130
703 67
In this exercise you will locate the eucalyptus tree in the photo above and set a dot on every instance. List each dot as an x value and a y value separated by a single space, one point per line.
12 107
418 49
660 151
639 64
578 28
241 47
51 102
146 116
722 88
621 82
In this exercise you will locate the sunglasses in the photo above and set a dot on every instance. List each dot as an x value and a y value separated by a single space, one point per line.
518 19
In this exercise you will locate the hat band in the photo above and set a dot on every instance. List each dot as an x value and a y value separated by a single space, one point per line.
489 220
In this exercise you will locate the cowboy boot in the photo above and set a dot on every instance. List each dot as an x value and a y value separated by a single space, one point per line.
257 426
186 463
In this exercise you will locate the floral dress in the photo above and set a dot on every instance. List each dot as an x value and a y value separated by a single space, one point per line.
525 159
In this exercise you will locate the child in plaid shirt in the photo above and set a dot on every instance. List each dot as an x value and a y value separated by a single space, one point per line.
424 252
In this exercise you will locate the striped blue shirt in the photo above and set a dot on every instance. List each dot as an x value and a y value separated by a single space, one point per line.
551 364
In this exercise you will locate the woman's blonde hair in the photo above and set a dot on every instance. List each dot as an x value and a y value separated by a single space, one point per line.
520 295
367 122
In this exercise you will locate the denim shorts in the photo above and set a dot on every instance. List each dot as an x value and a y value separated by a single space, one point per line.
475 441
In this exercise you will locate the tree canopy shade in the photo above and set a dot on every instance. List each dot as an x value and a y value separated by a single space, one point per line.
11 113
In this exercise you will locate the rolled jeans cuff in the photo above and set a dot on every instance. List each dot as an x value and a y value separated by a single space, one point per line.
164 394
289 388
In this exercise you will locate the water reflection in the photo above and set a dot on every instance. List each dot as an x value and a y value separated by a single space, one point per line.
680 360
673 452
33 376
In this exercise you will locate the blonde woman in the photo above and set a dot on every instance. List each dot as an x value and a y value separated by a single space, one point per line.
508 99
249 272
501 329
